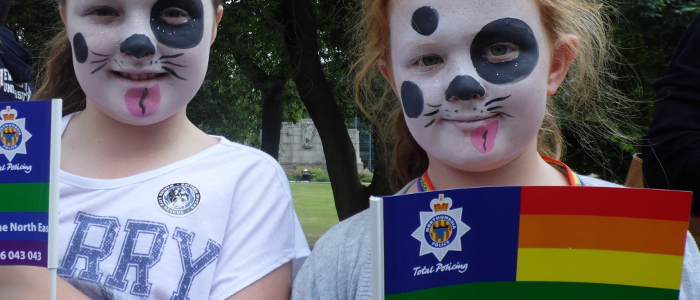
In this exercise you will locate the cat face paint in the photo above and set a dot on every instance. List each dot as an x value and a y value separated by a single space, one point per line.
140 61
472 77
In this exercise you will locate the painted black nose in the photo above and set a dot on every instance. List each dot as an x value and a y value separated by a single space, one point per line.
138 45
464 87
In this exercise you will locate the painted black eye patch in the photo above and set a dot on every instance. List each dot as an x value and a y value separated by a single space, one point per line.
506 30
179 36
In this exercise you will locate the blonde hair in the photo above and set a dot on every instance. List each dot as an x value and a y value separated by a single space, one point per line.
56 77
585 95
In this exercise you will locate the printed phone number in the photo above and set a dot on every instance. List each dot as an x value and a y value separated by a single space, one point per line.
20 255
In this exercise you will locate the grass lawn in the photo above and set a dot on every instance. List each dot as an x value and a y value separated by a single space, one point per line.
314 205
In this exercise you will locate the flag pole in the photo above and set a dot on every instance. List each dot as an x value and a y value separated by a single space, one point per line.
54 191
377 228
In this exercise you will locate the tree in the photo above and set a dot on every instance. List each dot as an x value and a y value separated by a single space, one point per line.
301 39
263 43
645 33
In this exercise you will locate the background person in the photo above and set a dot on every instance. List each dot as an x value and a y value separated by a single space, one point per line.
671 155
16 74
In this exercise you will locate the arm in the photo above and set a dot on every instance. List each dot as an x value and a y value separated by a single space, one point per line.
260 242
33 283
340 266
690 280
275 285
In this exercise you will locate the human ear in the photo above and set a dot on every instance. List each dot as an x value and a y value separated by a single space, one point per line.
62 11
386 72
563 55
219 14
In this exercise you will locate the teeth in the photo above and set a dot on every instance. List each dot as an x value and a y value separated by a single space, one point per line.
144 76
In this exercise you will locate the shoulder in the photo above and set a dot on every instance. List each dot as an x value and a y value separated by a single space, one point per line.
248 161
247 153
591 181
349 231
347 242
340 265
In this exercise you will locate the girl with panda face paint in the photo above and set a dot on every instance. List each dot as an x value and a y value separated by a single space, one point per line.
139 62
473 81
473 84
151 206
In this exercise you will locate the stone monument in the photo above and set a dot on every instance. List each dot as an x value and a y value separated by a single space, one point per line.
300 146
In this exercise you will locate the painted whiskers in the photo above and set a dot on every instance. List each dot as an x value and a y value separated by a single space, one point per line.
494 110
168 69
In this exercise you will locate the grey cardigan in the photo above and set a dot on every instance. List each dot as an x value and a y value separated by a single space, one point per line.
340 266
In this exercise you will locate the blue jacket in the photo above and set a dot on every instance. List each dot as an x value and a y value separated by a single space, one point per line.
16 74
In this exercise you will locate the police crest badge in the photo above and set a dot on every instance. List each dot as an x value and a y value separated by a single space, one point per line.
13 134
441 229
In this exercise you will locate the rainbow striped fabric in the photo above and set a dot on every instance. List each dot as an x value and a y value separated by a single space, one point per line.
536 243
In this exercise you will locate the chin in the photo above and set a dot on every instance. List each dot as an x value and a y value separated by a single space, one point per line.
127 118
477 162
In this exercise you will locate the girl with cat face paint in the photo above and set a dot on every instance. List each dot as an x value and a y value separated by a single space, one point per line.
473 81
152 207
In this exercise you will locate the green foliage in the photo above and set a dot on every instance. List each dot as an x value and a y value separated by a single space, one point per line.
317 174
320 175
34 22
646 33
336 21
366 176
229 102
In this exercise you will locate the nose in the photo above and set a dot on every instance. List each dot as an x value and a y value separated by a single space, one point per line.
464 87
138 46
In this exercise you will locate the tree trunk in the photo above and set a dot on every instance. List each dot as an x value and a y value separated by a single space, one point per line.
316 94
271 89
271 122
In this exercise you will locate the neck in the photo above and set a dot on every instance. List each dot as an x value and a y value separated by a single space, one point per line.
95 145
99 128
525 169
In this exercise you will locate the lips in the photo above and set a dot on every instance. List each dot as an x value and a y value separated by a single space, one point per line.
470 124
142 102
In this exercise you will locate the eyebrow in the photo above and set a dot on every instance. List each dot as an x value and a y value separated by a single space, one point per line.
417 43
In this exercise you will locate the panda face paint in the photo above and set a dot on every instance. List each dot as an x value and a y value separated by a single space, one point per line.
500 37
473 77
184 34
140 61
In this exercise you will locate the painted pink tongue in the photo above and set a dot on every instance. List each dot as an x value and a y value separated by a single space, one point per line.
484 137
143 102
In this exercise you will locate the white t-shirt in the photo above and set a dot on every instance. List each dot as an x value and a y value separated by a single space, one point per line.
204 227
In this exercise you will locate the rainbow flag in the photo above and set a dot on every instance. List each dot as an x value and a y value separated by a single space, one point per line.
530 243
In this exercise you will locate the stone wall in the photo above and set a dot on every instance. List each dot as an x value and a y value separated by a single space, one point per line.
300 146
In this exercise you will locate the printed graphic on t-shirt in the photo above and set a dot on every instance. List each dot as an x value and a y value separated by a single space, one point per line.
11 91
178 199
143 243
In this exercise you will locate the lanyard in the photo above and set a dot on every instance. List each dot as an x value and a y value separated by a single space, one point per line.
425 185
